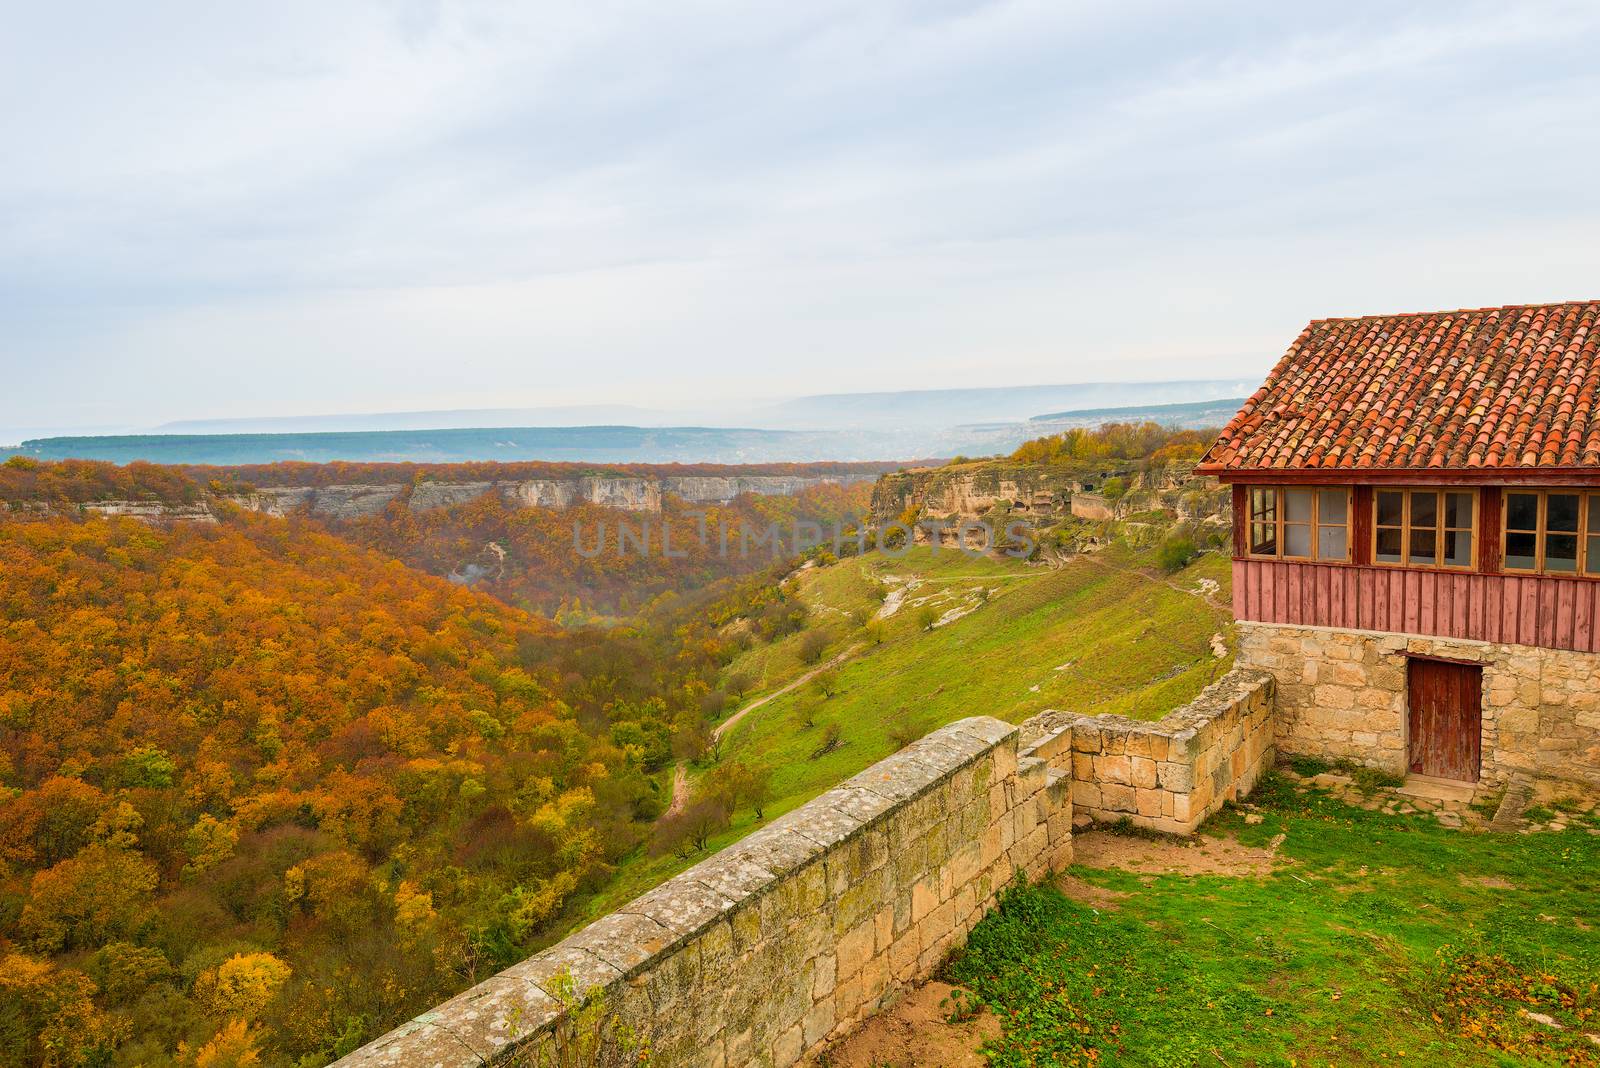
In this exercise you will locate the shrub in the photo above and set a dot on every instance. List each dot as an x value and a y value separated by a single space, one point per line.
690 828
830 741
812 646
1176 552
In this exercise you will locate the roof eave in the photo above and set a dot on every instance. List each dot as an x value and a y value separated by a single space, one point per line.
1337 476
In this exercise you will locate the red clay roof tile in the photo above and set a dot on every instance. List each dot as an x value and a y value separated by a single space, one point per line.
1489 388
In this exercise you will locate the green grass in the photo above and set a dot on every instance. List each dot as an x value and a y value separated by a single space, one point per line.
1109 635
1386 940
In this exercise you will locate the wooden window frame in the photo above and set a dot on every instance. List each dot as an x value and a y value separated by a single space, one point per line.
1439 528
1581 564
1315 523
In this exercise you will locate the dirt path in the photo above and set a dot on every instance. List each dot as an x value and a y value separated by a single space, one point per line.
680 774
728 724
680 790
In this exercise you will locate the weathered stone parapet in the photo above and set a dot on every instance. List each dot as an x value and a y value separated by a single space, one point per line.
766 951
1171 774
1342 695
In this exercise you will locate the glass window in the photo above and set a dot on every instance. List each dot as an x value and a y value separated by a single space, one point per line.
1301 523
1424 527
1561 533
1390 508
1297 512
1554 532
1459 519
1591 547
1522 511
1263 521
1390 546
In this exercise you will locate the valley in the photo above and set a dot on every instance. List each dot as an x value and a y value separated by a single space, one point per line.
355 756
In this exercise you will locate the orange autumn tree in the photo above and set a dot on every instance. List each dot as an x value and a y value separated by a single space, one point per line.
264 794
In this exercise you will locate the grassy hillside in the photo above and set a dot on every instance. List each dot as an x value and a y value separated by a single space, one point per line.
1104 633
1126 637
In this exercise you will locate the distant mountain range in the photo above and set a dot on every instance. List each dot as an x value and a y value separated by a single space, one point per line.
844 426
1194 415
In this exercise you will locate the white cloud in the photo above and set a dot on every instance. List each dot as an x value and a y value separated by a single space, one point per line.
297 207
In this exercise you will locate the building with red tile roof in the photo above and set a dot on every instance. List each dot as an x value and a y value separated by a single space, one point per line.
1417 540
1490 391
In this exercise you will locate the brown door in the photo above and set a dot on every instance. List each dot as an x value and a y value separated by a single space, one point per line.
1446 702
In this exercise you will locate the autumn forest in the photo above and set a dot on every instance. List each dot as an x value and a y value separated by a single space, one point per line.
270 786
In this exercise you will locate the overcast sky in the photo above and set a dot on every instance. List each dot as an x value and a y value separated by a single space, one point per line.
213 210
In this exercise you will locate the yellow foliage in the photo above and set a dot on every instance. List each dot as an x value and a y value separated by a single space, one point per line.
241 986
55 1006
232 1047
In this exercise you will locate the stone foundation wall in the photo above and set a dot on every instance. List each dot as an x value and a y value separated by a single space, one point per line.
787 939
1169 775
1342 694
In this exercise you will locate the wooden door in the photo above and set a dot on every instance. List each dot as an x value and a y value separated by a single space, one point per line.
1446 703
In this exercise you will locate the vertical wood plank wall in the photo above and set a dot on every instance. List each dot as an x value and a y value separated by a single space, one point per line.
1522 610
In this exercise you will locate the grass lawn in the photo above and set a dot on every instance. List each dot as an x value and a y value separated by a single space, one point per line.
1379 940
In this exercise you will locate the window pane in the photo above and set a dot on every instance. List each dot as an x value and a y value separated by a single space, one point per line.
1522 511
1561 552
1422 545
1297 539
1592 555
1264 539
1458 509
1425 509
1333 506
1561 512
1297 506
1333 543
1389 508
1520 551
1263 503
1388 550
1594 511
1458 548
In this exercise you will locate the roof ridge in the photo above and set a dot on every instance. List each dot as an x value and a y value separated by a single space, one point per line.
1457 311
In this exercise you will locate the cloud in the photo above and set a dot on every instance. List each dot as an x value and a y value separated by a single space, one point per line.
304 207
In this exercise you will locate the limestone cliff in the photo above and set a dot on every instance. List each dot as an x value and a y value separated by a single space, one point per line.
1045 494
634 494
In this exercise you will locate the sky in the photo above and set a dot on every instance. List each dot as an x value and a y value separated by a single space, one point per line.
229 210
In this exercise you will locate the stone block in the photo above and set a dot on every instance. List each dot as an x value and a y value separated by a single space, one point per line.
1117 798
1142 772
1148 802
1113 769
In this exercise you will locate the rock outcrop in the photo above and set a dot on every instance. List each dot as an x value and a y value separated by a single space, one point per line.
631 494
1040 493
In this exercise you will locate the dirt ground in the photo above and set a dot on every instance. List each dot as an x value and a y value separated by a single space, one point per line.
915 1033
1202 855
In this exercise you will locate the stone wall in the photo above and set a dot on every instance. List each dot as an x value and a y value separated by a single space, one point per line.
765 952
1171 774
1342 694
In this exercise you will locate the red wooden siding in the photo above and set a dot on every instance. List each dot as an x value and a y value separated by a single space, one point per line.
1520 610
